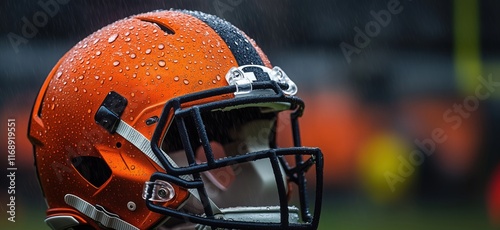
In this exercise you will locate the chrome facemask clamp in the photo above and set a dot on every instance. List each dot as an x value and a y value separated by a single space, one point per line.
243 76
162 191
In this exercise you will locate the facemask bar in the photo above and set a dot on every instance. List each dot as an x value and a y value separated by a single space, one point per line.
177 175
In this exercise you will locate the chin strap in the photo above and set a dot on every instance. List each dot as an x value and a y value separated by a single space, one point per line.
98 213
140 141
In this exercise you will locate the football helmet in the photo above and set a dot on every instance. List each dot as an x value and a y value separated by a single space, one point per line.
169 119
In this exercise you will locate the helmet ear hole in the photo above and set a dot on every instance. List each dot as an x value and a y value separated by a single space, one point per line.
94 169
118 144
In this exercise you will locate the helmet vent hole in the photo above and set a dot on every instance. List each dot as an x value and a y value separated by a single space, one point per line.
162 27
118 144
94 169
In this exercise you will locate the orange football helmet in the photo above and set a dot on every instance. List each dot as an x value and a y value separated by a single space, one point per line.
168 119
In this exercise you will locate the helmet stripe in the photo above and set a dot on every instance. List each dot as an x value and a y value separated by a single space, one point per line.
242 49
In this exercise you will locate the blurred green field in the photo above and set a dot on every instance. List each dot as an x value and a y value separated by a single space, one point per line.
360 215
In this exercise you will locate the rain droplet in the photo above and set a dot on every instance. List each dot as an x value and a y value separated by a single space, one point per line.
200 82
131 118
59 74
182 47
161 46
110 78
76 89
175 61
127 39
112 38
148 51
127 33
158 77
218 78
176 78
81 77
161 63
187 67
186 82
132 167
132 94
89 111
98 53
96 77
96 41
132 56
53 106
116 63
53 98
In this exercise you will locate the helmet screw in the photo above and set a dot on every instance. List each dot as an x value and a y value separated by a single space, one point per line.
162 193
131 206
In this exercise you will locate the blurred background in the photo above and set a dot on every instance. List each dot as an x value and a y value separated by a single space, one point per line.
402 97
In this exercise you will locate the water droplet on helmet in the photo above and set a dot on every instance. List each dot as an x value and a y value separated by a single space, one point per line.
96 77
76 89
132 56
98 53
200 82
132 94
218 77
89 111
58 75
161 63
80 77
182 47
186 82
116 63
110 78
112 38
158 77
161 46
176 78
148 51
